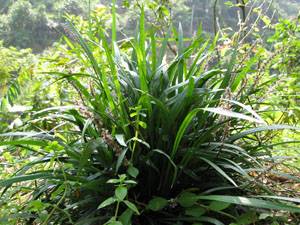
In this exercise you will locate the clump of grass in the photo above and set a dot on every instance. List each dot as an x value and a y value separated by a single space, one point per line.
153 141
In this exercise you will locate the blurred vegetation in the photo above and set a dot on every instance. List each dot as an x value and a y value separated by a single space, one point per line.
27 24
42 25
15 69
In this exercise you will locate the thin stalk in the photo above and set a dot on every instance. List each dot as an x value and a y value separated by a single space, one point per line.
117 209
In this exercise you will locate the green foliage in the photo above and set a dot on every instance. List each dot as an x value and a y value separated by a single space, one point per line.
31 32
286 59
150 138
26 24
40 29
14 71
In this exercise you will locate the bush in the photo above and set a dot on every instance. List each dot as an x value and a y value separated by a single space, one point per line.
32 32
14 69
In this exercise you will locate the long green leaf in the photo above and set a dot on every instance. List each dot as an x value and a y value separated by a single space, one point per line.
186 122
30 177
251 202
260 129
229 113
219 170
24 142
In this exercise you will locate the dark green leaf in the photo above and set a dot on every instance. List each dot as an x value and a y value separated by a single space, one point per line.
157 204
195 211
187 199
218 206
126 216
132 171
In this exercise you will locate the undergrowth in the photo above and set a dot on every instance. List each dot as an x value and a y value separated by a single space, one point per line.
151 138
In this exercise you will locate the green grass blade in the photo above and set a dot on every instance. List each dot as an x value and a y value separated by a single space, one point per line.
296 200
247 108
228 113
87 51
180 52
251 202
16 179
153 51
260 129
219 170
24 142
171 161
186 122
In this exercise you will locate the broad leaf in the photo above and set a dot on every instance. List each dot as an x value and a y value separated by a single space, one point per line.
187 199
157 204
121 193
107 202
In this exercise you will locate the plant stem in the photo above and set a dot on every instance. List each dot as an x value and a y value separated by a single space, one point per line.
55 207
117 210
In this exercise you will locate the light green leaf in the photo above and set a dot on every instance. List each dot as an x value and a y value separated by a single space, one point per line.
260 129
247 108
107 202
132 206
121 193
228 113
29 177
24 142
120 159
296 200
114 223
251 202
120 140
